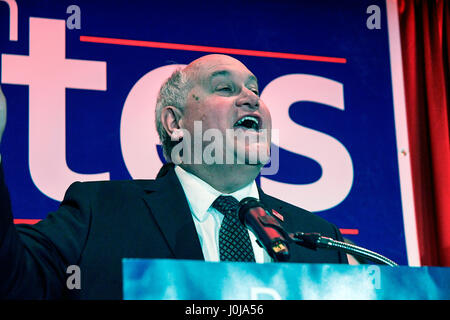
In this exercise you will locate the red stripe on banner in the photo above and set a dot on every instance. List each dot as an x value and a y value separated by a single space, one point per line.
189 47
26 221
349 231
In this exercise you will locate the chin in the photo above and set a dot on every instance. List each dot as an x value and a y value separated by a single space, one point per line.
254 155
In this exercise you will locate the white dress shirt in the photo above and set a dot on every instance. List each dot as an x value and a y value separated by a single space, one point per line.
207 220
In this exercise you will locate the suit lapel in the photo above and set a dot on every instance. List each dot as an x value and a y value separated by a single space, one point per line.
295 251
167 202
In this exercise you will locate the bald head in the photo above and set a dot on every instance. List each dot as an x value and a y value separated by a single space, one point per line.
206 64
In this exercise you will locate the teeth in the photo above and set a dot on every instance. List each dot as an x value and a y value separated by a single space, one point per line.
249 118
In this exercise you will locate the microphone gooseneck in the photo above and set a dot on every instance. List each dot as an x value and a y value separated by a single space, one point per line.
315 240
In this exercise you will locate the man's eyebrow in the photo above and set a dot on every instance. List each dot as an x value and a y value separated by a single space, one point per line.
219 73
226 73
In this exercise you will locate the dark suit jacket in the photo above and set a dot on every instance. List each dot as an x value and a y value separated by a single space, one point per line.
99 223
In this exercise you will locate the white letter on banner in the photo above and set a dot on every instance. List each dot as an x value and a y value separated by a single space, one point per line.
337 169
48 73
13 19
138 136
262 293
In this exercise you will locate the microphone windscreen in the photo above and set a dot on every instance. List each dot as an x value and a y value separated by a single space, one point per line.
245 205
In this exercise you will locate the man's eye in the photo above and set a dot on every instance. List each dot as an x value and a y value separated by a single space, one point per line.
226 89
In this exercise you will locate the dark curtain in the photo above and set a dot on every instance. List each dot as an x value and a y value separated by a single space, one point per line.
425 33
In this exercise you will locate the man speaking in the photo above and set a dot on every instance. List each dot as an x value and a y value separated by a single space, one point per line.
188 212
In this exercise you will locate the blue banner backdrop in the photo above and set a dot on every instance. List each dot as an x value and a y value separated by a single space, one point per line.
81 82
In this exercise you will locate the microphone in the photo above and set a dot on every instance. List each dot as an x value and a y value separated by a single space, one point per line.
266 228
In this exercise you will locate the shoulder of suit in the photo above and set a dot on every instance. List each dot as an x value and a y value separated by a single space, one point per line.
285 207
298 216
111 187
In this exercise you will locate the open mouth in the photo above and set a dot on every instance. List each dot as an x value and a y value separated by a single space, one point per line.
248 122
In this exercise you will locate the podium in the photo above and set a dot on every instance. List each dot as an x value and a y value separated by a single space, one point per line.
161 279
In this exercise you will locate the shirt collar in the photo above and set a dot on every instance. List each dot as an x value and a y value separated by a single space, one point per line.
201 195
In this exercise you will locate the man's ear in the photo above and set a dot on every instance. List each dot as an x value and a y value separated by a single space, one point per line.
170 118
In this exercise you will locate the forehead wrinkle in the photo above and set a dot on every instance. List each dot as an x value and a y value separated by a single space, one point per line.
203 70
226 73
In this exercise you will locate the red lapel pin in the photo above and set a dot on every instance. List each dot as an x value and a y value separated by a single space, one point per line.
278 215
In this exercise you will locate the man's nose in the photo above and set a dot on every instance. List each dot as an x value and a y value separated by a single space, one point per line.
248 99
